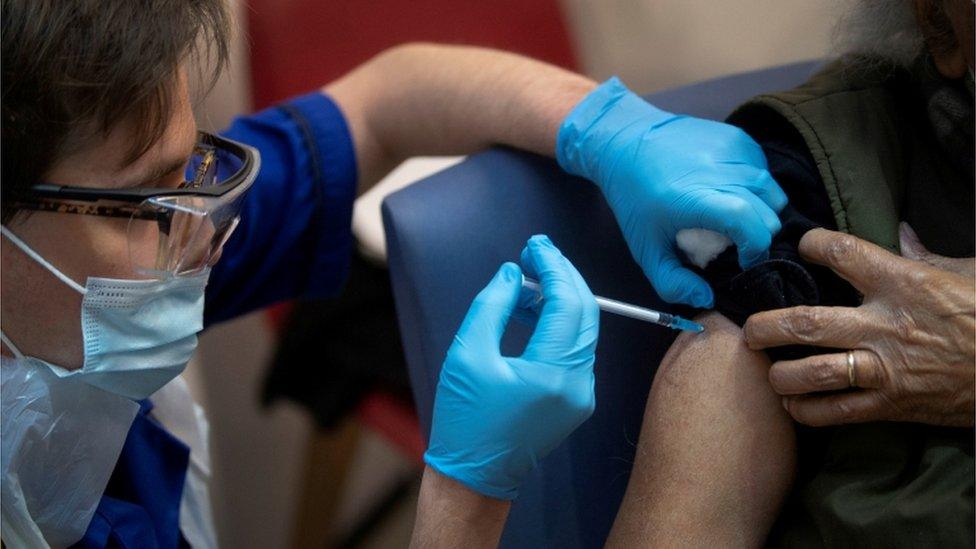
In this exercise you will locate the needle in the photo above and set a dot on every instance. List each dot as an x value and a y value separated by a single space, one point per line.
669 320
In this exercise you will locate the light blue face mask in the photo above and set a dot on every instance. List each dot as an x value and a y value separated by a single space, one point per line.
138 334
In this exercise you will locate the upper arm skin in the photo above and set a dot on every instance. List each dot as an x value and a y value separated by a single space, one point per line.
717 450
429 99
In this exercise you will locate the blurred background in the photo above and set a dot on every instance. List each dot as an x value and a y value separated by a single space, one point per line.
334 459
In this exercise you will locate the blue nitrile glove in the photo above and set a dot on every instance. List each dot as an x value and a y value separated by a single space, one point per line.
496 417
662 172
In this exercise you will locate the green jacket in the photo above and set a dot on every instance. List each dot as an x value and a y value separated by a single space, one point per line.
880 484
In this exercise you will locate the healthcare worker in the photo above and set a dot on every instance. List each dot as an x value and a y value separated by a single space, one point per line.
126 232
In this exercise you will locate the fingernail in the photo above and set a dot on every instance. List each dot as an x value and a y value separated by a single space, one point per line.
786 404
511 272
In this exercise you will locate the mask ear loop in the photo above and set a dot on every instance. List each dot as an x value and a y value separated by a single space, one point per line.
43 262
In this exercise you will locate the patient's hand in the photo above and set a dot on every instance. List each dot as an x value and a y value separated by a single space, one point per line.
911 340
716 451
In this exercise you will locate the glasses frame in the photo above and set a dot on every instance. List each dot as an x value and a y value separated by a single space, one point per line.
47 197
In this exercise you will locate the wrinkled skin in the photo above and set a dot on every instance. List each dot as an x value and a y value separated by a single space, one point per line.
912 338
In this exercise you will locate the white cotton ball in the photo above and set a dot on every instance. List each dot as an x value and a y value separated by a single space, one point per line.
701 245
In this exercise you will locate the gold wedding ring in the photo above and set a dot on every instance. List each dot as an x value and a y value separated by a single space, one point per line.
851 374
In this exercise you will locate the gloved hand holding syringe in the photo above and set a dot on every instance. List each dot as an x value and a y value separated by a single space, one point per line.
631 311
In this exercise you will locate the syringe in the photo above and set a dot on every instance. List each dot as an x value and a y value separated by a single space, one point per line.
674 322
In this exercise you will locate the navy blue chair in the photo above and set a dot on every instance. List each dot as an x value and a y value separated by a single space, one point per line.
447 235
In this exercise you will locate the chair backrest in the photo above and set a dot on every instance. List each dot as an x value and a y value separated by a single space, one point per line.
446 236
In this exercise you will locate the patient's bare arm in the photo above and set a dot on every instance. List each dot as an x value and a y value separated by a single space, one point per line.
716 454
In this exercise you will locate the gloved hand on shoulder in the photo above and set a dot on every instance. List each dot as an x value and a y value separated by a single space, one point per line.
662 173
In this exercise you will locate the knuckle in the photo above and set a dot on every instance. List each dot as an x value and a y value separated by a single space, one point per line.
842 249
820 373
736 209
917 278
874 362
557 390
548 394
804 323
905 327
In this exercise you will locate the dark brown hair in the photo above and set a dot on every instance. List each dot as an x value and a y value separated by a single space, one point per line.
73 69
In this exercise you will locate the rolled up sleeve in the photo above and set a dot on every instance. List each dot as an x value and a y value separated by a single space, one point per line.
295 235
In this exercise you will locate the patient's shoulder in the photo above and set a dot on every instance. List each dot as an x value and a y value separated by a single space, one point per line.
719 333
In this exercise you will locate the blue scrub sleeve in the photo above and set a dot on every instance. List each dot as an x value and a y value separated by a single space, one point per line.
295 235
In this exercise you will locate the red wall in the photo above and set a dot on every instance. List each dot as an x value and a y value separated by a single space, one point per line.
299 45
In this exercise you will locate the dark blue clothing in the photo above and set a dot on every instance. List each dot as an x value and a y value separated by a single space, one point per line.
141 505
294 240
295 235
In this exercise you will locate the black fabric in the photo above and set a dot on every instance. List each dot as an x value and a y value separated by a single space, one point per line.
941 209
333 352
785 279
948 111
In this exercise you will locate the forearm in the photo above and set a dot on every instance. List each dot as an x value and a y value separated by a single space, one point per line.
451 515
424 99
716 451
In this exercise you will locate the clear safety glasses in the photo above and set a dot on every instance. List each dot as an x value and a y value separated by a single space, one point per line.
171 232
